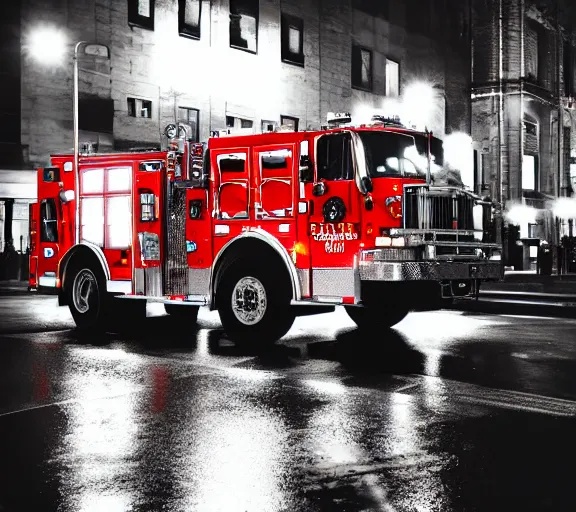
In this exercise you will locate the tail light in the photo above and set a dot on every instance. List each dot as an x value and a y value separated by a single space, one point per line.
394 206
147 207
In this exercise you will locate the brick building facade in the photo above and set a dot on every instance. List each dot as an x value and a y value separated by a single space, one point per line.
241 64
523 88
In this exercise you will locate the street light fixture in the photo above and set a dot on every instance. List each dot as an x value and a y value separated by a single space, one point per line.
48 46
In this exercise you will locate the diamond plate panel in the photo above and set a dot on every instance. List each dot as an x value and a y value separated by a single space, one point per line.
428 271
333 282
199 281
153 281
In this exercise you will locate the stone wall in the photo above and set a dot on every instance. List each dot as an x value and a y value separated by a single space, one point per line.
206 74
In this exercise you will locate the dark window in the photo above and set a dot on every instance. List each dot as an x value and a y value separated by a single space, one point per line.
190 116
246 123
531 128
244 25
141 13
290 122
48 221
139 108
292 40
361 68
230 121
189 15
334 157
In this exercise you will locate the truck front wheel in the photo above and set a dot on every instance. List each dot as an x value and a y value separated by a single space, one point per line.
381 317
87 298
254 304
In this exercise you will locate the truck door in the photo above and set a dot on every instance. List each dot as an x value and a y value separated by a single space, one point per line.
334 219
33 218
48 228
275 199
232 194
47 263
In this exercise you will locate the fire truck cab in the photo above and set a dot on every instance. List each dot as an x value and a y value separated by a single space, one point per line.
258 226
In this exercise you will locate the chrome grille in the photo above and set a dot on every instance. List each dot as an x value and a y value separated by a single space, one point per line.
176 262
429 208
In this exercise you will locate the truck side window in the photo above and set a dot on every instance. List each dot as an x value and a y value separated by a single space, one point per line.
276 191
48 221
234 188
334 157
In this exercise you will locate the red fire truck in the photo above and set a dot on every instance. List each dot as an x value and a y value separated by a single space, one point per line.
260 226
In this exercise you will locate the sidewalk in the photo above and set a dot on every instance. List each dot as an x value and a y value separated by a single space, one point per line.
13 286
530 283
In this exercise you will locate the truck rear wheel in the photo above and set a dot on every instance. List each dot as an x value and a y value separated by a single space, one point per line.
254 305
182 312
381 317
87 298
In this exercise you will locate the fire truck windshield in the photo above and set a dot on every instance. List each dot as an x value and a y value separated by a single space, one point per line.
393 154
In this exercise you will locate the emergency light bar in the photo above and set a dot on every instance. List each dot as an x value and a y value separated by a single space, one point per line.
393 120
337 118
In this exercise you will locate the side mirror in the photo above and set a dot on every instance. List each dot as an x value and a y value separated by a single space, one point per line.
319 189
66 196
367 186
306 170
368 203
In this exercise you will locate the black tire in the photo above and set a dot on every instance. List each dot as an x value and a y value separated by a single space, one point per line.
372 318
264 303
88 301
182 312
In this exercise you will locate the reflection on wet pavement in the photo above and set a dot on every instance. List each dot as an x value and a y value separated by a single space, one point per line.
444 413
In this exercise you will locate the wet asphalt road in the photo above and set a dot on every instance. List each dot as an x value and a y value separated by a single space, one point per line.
450 411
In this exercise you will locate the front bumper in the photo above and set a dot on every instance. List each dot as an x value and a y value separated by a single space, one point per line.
430 270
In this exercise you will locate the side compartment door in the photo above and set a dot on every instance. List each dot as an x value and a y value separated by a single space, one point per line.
334 219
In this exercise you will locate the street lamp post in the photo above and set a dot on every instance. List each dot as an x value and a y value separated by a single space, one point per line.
48 45
98 50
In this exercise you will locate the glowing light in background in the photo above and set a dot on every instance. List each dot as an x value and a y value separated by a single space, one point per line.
519 214
419 103
458 153
564 208
46 45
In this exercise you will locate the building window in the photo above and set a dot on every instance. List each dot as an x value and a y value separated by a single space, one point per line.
392 78
139 108
361 68
141 13
289 122
292 40
530 172
239 123
268 126
244 25
189 13
190 117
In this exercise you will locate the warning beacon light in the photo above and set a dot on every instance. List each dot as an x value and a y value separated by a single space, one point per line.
386 120
338 118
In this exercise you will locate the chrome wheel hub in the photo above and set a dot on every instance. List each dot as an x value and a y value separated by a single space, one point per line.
84 290
249 300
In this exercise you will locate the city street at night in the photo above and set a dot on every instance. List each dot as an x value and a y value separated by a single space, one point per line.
449 411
